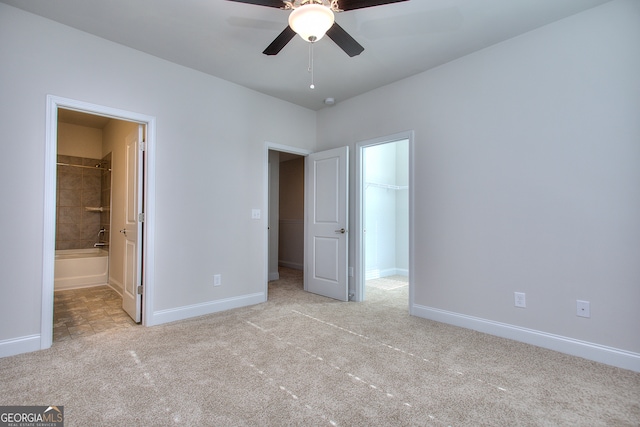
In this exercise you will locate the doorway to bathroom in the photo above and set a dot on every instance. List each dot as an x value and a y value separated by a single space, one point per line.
95 220
92 193
383 219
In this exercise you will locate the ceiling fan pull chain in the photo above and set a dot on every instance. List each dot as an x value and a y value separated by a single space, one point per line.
312 86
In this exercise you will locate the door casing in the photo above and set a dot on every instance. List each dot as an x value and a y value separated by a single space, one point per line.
285 149
49 229
359 274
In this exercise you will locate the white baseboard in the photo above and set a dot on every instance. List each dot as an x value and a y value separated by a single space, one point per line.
274 276
19 345
377 274
386 272
189 311
26 344
591 351
372 274
293 265
116 285
394 272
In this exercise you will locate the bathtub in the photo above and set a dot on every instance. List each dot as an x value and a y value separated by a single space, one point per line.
79 268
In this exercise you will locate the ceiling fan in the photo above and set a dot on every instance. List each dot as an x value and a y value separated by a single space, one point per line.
312 19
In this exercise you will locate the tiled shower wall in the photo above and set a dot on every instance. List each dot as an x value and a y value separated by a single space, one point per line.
77 189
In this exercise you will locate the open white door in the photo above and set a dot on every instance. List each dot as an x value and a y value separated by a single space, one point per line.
326 236
132 295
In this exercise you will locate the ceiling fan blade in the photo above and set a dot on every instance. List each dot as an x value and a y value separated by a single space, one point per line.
269 3
360 4
344 40
281 41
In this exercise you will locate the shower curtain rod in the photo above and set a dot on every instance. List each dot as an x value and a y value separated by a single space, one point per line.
83 166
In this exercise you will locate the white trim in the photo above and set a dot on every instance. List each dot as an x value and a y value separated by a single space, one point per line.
115 289
412 224
51 129
116 285
49 228
292 265
148 257
377 274
274 276
359 273
202 309
587 350
265 204
20 345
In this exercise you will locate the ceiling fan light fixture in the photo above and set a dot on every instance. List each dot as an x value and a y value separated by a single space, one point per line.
311 21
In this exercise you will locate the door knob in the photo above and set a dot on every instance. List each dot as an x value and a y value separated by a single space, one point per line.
124 231
341 231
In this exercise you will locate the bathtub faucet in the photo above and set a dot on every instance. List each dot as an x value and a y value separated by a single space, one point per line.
99 245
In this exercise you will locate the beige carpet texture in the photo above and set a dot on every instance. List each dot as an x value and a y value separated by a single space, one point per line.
305 360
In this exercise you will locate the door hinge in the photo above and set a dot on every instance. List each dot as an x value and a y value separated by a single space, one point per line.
143 146
140 290
141 217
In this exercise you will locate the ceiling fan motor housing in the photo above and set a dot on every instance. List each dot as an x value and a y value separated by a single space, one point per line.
324 13
311 21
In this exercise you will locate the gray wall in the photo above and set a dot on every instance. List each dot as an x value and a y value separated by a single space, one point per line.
526 179
527 167
210 166
291 216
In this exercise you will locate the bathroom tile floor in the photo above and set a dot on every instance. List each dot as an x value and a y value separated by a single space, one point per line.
87 311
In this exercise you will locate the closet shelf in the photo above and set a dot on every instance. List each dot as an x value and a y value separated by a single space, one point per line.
387 186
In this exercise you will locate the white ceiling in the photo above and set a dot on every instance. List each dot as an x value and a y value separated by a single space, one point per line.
226 39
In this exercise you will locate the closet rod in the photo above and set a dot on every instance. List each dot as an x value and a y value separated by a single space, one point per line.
387 186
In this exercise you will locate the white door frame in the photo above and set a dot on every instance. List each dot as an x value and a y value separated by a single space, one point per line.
285 149
49 239
359 214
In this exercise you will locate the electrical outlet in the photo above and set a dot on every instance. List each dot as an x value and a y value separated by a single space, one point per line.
217 280
583 308
520 299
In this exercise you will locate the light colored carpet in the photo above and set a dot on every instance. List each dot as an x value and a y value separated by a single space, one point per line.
304 360
388 283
